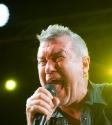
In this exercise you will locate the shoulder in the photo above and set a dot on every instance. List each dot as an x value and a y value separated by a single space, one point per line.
103 90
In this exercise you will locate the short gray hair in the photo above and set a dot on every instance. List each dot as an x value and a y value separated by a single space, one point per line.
54 31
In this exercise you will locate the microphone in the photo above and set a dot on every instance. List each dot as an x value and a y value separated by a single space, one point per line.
40 118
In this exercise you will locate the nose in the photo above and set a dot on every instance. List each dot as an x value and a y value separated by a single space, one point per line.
50 67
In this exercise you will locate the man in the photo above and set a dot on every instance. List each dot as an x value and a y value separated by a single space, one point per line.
63 61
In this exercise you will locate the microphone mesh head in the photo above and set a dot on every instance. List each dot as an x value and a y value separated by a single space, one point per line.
51 88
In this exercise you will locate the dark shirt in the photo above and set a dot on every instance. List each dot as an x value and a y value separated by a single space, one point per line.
97 109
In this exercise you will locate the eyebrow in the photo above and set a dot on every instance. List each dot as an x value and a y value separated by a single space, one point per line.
57 53
53 54
40 57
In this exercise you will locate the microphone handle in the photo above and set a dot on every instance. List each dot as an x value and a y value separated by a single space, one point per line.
40 120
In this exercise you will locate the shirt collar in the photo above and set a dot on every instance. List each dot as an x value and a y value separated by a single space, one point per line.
95 94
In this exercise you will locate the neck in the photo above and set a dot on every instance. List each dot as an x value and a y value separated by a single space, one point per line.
73 109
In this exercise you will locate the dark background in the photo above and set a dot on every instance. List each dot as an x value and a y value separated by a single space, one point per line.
91 19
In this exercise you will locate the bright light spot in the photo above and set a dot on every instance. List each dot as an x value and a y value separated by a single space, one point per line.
111 71
4 15
10 85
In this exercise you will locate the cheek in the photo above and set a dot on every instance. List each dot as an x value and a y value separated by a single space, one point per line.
61 65
41 73
73 72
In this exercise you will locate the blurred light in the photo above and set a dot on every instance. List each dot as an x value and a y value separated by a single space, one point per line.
10 85
111 71
4 15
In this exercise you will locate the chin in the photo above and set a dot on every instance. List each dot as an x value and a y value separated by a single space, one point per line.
64 102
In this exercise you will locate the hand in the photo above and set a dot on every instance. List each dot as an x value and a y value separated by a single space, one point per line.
40 102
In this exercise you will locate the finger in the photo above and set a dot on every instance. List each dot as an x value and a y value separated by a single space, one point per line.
36 99
29 117
38 109
40 103
44 91
56 101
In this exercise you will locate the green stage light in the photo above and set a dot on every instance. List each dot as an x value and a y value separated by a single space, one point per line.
10 85
110 71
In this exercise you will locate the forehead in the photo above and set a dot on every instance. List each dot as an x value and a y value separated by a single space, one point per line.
60 43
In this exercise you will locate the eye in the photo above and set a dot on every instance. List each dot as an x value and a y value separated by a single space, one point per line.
42 62
59 58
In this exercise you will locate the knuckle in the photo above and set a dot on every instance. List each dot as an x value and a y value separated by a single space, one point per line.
28 109
28 101
39 102
39 95
38 90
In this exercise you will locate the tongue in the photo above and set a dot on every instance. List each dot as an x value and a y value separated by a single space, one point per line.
58 84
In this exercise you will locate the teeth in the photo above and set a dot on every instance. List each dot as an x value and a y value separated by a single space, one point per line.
54 79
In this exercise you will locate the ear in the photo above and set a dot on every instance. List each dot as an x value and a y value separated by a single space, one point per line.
85 61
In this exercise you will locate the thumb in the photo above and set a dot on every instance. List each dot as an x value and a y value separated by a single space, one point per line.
56 102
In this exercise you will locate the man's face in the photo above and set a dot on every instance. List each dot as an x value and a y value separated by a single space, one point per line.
58 65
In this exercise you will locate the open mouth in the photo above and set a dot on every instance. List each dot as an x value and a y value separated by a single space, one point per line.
58 83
